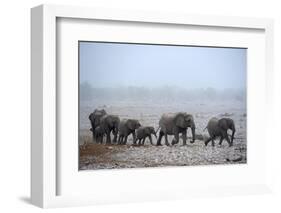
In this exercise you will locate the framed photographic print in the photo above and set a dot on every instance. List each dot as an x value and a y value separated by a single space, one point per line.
132 94
148 105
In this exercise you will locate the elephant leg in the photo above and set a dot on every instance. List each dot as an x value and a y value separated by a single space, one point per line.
150 139
208 140
97 138
101 139
135 141
184 137
122 140
125 140
119 138
221 140
94 139
108 140
213 142
143 140
225 135
134 136
159 138
115 137
175 139
166 140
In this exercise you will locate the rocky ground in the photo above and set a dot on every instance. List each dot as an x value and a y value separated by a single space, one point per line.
101 156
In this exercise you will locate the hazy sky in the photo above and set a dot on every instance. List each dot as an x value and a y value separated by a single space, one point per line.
113 65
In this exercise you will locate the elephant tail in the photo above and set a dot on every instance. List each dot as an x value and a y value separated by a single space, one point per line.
204 129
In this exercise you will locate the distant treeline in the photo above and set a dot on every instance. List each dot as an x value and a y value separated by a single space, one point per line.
169 93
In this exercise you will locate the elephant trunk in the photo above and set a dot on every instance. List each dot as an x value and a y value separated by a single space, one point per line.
232 136
93 133
193 132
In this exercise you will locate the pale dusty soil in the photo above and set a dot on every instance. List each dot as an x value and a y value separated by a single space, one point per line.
97 156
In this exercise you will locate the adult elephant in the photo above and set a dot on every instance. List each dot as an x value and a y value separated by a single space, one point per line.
94 118
218 128
127 127
174 124
108 124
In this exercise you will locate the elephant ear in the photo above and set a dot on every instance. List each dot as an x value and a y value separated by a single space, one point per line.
231 124
116 120
90 116
222 123
152 130
188 119
147 131
131 124
113 121
180 122
109 120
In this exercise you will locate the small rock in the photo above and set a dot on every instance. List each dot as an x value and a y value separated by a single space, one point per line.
237 159
234 160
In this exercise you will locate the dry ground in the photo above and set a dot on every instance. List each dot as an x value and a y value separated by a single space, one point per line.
102 156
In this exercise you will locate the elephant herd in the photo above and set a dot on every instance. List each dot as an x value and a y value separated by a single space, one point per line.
103 124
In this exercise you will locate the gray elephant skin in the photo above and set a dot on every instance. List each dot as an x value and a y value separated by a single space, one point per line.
127 127
143 132
99 133
94 118
174 124
218 128
108 124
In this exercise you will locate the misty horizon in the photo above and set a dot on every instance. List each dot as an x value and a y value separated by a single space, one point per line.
88 93
114 65
159 87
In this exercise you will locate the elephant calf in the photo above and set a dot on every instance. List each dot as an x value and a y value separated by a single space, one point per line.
127 127
143 132
218 128
99 133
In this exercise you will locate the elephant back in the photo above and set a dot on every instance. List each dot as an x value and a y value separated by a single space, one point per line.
129 125
110 121
212 126
166 118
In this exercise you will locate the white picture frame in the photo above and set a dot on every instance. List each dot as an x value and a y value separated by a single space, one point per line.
44 149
